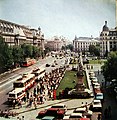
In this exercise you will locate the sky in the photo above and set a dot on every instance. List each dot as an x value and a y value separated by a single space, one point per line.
67 18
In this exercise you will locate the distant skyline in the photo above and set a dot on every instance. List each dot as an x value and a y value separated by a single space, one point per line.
67 18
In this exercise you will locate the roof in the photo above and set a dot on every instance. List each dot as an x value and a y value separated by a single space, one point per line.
16 90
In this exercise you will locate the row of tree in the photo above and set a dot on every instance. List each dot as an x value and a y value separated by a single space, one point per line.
10 56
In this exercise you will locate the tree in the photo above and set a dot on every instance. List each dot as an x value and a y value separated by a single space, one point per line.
109 68
94 50
27 51
70 46
17 53
6 58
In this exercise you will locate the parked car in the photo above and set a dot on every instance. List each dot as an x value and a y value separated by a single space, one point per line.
99 96
66 117
48 118
60 106
96 106
55 112
76 115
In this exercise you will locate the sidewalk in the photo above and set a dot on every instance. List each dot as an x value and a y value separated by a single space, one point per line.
31 113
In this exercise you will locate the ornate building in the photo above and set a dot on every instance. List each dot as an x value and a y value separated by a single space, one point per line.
56 43
108 39
15 34
82 44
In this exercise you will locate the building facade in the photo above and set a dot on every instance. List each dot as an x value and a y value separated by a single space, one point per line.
108 39
56 43
82 44
15 34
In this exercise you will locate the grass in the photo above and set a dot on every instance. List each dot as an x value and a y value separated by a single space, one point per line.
68 81
95 61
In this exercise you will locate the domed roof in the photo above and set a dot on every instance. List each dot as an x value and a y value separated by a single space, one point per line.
105 28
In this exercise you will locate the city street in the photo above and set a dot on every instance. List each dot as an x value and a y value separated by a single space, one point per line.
6 81
31 113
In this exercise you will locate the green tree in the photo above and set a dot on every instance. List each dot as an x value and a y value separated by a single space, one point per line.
27 51
36 52
6 58
70 46
94 50
109 68
17 53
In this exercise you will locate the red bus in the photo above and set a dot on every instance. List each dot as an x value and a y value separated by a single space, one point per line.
28 62
26 82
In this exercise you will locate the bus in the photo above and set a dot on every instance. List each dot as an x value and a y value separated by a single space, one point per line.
26 82
28 62
16 94
39 72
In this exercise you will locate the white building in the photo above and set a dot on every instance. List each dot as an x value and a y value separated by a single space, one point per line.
15 34
82 44
108 39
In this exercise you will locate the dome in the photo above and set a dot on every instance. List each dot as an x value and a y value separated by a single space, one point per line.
105 28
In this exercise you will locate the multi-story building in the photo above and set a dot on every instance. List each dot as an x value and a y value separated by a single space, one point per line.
15 34
56 43
108 39
82 44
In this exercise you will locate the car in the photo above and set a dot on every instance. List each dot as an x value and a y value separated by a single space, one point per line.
60 106
47 65
80 110
68 112
84 110
48 118
99 96
66 117
55 112
96 106
76 115
115 89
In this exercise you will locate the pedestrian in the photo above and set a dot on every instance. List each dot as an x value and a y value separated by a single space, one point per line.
105 113
99 117
109 111
27 94
41 99
22 117
19 103
24 99
14 102
35 104
34 92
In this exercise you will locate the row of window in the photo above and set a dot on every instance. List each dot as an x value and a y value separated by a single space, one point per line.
5 29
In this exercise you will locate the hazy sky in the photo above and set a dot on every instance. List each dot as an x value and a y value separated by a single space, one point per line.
61 17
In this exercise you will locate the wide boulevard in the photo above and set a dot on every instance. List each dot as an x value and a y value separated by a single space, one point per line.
6 81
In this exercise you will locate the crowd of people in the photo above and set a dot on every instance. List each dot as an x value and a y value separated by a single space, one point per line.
43 90
7 113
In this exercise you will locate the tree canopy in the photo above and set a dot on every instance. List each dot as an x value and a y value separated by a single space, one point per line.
94 50
10 56
109 68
